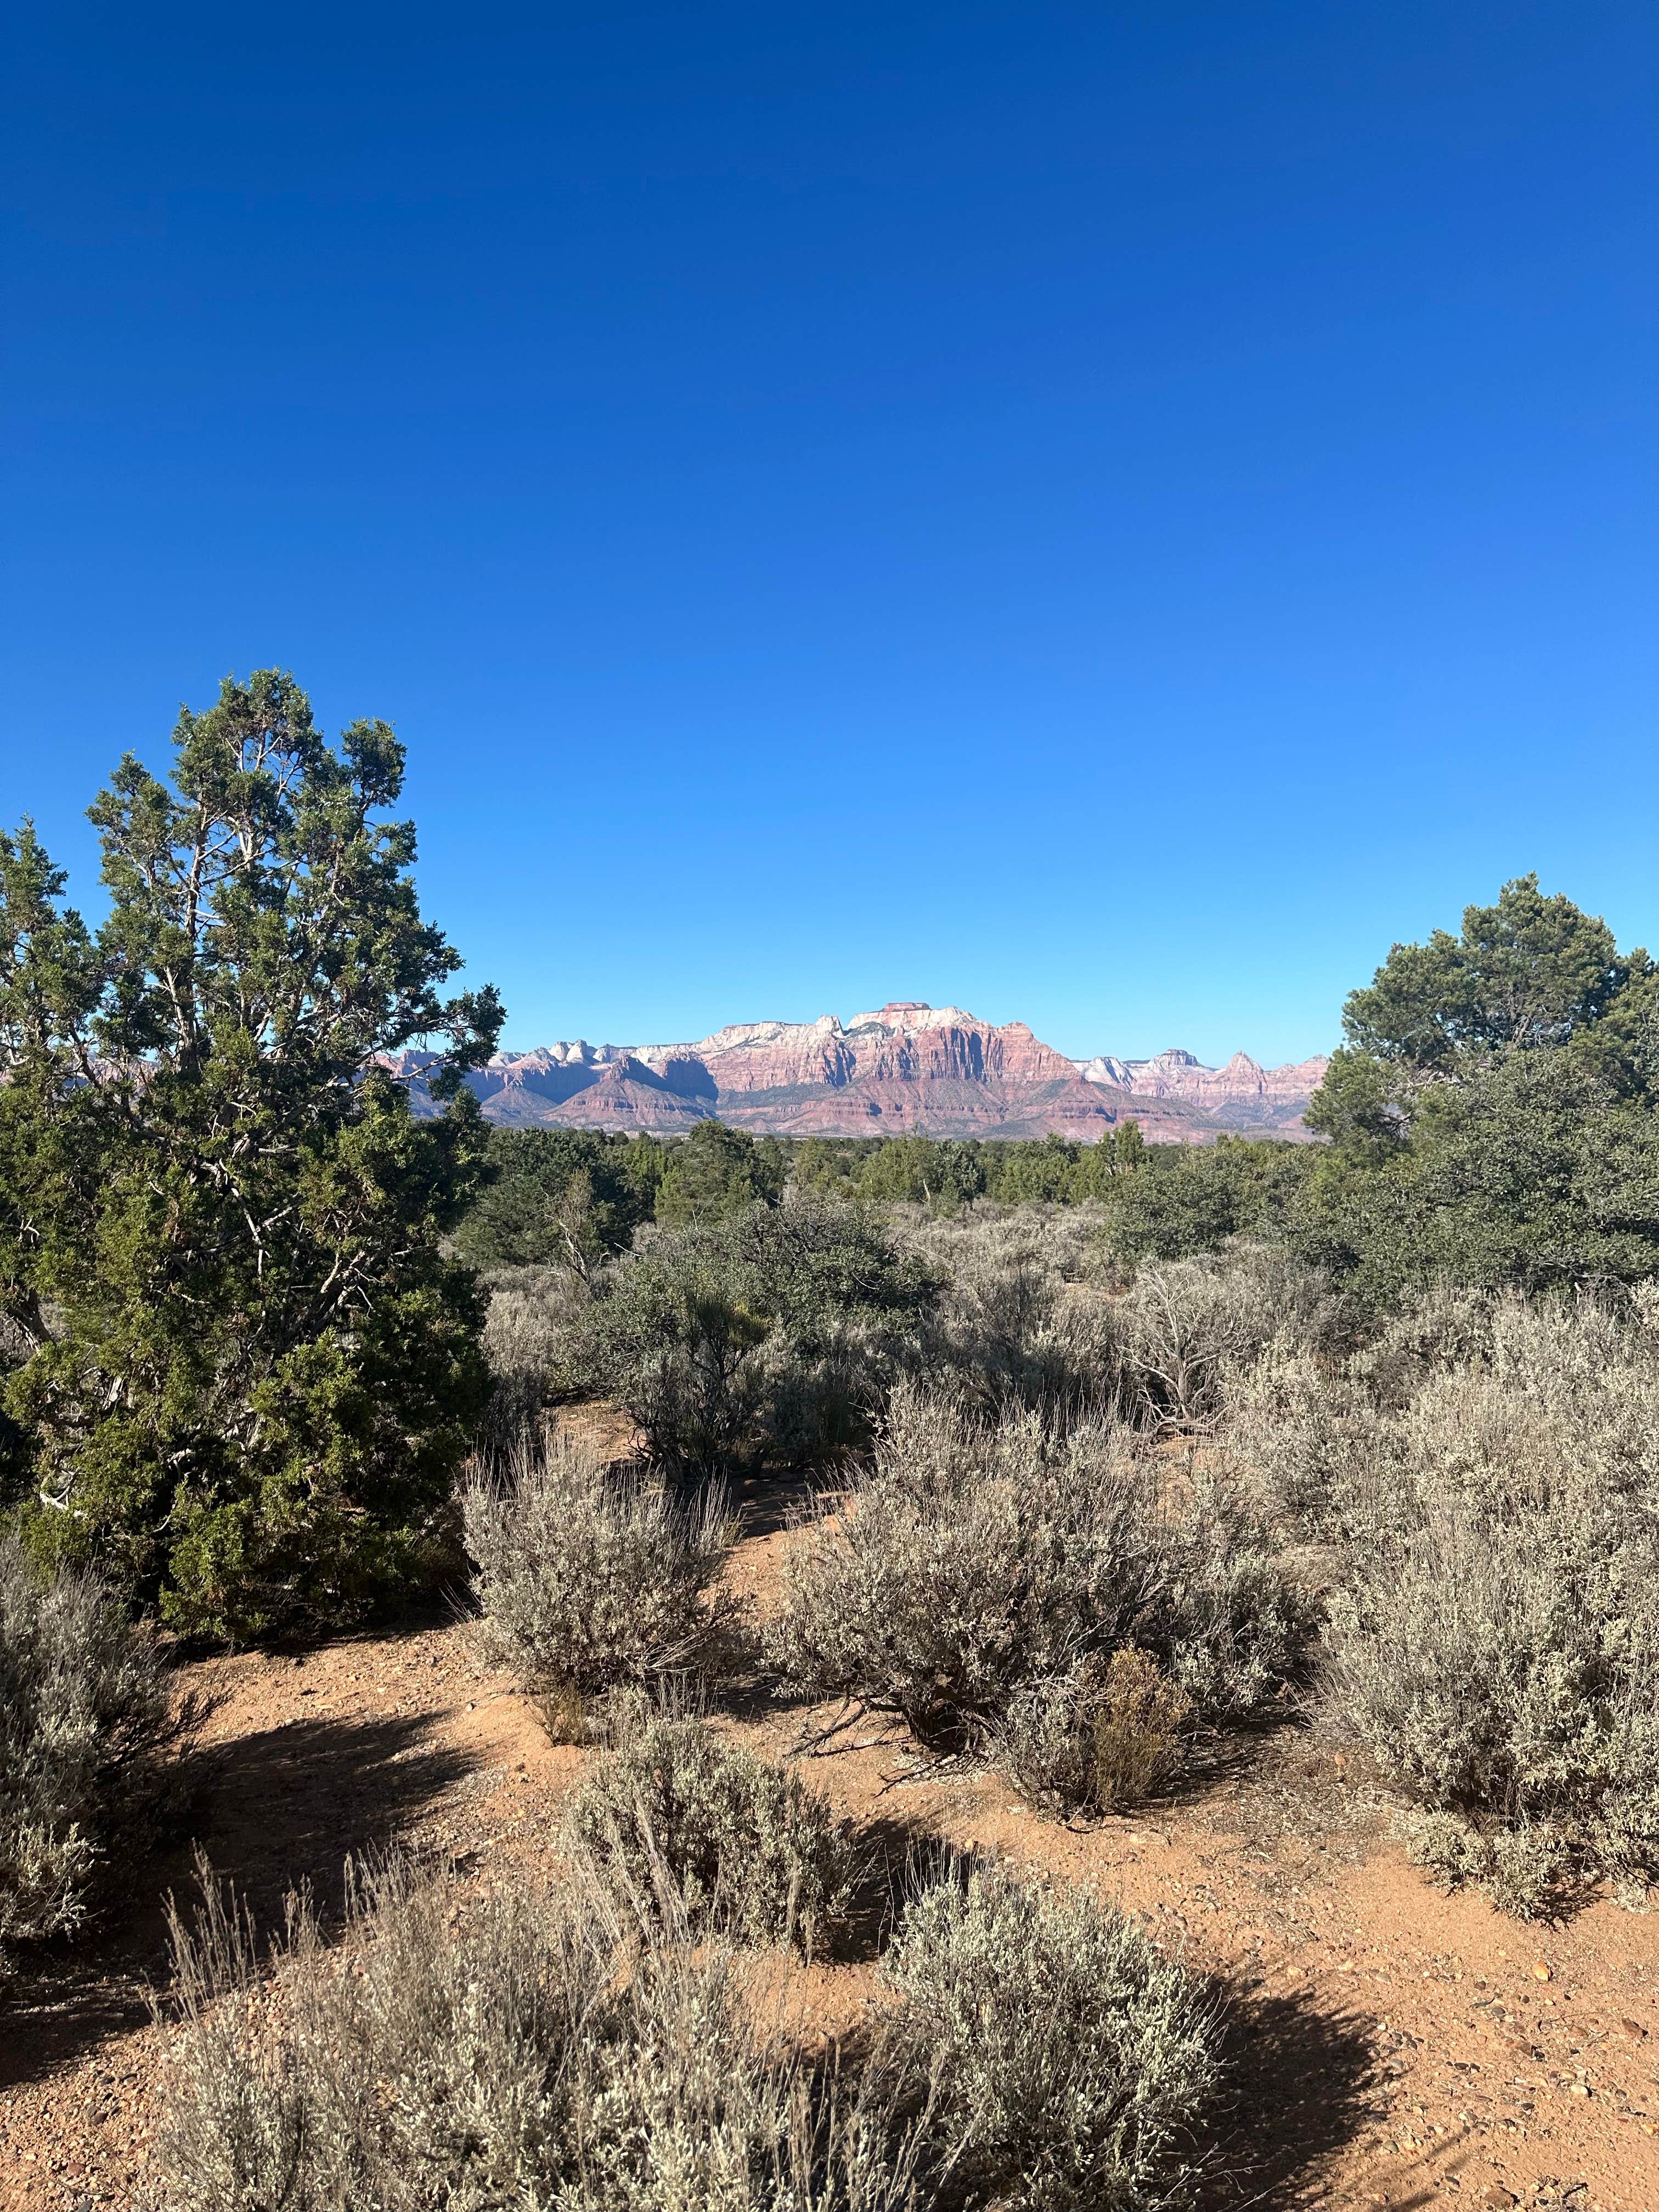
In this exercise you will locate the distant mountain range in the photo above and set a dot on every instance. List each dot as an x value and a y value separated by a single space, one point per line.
907 1066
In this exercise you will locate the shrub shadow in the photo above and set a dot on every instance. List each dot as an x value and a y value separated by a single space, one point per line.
271 1811
1299 2080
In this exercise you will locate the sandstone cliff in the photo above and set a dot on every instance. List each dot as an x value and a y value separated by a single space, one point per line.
1241 1094
904 1067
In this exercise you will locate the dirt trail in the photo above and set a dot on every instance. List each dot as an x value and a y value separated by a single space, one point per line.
1393 2047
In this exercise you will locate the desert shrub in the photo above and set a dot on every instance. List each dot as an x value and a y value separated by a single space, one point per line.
1492 1516
528 1324
561 1198
1024 1319
714 1172
970 1556
1106 1734
1181 1200
87 1736
743 1846
588 1577
765 1339
481 2051
1059 2061
1189 1325
1506 1677
976 1559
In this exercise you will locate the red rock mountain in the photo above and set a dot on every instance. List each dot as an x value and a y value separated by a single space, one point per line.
905 1066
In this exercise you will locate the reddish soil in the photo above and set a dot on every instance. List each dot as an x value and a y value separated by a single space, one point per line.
1393 2047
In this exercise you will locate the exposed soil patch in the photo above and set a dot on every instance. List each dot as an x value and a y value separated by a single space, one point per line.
1392 2046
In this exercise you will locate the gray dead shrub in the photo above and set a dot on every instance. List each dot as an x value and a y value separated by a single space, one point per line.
1191 1325
678 1821
88 1742
1058 2059
590 1577
486 2051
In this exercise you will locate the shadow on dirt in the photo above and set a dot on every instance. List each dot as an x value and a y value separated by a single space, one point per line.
270 1811
1299 2081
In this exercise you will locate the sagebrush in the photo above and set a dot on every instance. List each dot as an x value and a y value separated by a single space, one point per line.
1057 2059
498 2046
590 1577
88 1738
678 1822
1485 1482
977 1560
482 2049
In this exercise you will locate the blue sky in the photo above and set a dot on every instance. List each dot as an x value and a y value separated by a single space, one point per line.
1107 515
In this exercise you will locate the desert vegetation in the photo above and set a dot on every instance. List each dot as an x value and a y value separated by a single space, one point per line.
529 2071
1079 1475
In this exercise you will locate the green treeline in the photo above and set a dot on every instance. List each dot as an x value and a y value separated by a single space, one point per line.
574 1196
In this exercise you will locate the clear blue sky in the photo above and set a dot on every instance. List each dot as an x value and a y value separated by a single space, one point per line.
1106 514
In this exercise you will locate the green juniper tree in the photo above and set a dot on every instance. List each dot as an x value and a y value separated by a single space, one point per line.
1491 1116
241 1367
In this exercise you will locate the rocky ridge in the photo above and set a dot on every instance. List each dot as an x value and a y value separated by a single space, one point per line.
903 1067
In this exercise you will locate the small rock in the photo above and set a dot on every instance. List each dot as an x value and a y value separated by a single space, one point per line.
1633 2028
1540 1972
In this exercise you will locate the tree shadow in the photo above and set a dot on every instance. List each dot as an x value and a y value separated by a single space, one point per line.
1299 2079
270 1811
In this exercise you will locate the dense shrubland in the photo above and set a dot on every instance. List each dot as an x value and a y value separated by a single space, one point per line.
1484 1480
254 1317
496 2047
982 1578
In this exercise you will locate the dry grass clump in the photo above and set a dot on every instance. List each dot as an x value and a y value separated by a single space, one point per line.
87 1735
589 1577
1056 2059
977 1565
676 1823
1490 1498
1190 1326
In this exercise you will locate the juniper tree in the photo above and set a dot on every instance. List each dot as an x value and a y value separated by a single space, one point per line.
242 1366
